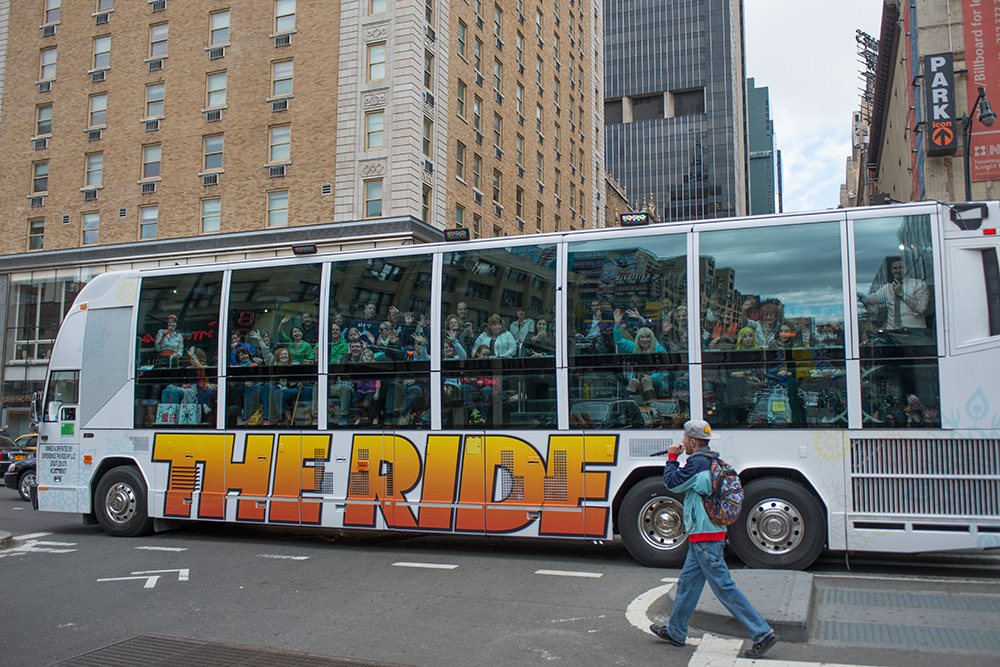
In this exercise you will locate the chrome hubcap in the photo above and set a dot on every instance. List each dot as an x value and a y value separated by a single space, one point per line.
662 523
121 503
775 526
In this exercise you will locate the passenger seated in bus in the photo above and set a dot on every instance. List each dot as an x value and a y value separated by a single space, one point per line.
338 344
450 338
169 342
674 330
287 395
418 352
766 330
365 393
386 345
479 392
906 300
309 326
539 344
404 326
521 328
645 342
256 338
354 335
302 352
746 339
500 343
368 322
470 328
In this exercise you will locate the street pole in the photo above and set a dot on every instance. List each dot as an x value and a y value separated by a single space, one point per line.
986 117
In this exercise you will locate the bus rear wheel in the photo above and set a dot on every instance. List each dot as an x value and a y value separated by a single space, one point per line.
781 525
651 523
120 503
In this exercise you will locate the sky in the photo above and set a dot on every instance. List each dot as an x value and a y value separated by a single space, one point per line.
805 53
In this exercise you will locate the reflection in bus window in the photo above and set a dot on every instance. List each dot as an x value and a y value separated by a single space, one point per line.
176 366
627 341
900 394
273 343
379 372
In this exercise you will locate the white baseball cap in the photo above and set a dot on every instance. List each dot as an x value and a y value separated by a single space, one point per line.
699 428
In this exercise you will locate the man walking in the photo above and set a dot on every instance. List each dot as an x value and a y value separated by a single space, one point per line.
705 544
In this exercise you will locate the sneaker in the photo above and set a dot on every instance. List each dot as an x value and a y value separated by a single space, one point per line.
661 632
760 648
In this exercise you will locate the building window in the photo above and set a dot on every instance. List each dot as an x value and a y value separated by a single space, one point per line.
497 19
374 130
425 204
477 221
151 161
376 61
279 149
519 47
497 180
148 217
284 15
519 202
462 32
102 52
105 5
497 130
213 152
218 28
36 234
277 209
555 136
158 40
460 160
428 70
428 136
477 56
477 112
216 89
211 215
477 168
557 183
48 64
539 212
52 10
519 151
538 71
154 99
281 78
43 120
98 110
91 227
519 100
373 198
688 102
40 177
429 11
538 118
94 170
538 167
460 99
459 216
497 75
376 6
555 89
538 24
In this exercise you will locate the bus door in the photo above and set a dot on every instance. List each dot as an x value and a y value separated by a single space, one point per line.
58 465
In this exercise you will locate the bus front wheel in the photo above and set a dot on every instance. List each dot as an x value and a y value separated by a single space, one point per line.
120 503
651 523
781 525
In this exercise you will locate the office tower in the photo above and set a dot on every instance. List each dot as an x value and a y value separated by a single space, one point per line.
760 141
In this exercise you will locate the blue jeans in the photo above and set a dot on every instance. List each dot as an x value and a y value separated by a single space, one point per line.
704 561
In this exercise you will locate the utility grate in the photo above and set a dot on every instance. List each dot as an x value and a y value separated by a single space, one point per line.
987 604
164 651
909 636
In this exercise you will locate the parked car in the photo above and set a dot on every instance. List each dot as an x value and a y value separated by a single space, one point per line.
20 476
16 450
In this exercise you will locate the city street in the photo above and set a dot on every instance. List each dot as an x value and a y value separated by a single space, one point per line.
69 590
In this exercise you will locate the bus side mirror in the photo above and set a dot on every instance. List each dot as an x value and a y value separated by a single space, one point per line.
35 398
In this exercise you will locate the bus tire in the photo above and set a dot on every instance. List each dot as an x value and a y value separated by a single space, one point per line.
120 503
781 526
651 523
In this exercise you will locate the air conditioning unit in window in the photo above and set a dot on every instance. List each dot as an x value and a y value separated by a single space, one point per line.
479 22
520 68
541 187
428 166
477 196
520 171
541 138
520 225
479 79
37 202
48 31
541 91
102 18
558 156
209 179
479 137
147 188
276 171
499 44
44 86
216 53
558 202
431 35
558 110
213 116
498 152
282 40
159 5
520 120
156 65
94 135
429 99
497 210
41 144
97 77
89 195
558 66
499 97
279 105
152 125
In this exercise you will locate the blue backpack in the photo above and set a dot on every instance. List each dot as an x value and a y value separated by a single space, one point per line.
723 503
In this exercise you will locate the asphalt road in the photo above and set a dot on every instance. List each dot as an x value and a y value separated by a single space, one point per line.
69 589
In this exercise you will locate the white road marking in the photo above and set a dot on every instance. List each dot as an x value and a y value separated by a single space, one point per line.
283 557
29 544
637 612
570 573
161 548
31 536
429 566
152 576
183 574
150 581
715 651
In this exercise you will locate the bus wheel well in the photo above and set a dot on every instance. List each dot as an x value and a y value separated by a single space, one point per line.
633 478
106 465
747 476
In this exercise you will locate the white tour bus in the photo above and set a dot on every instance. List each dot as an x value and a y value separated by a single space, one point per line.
529 386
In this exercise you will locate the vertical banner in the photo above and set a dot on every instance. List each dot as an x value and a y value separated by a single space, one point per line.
982 58
942 125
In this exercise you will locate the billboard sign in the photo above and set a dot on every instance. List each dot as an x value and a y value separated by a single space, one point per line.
939 97
982 58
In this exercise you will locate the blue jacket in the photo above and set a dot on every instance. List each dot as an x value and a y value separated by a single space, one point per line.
695 480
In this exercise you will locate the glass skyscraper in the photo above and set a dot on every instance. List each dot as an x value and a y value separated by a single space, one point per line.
674 105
